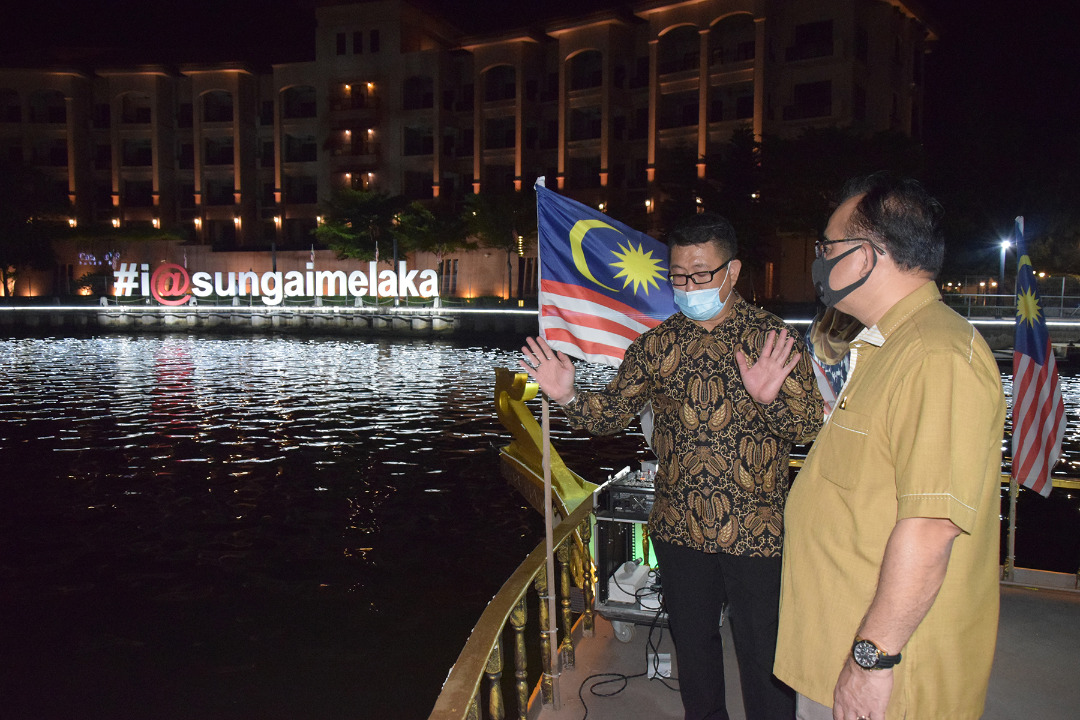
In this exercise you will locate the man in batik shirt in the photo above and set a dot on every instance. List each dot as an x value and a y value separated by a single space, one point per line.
730 397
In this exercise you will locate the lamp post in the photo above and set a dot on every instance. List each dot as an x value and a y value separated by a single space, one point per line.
1005 245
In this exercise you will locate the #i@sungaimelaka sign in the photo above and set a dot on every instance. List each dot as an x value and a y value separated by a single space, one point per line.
171 284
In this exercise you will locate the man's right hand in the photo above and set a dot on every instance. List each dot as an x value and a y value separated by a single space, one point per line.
552 370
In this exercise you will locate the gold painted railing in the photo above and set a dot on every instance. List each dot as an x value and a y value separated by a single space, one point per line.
465 689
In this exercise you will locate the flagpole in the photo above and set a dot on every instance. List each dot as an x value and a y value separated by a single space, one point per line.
549 542
1014 488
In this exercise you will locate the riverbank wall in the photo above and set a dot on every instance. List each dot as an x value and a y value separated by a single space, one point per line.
363 320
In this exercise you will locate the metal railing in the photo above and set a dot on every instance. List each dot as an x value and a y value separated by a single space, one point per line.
465 689
1054 305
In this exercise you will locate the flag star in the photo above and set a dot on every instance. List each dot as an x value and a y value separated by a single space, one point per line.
1027 307
637 266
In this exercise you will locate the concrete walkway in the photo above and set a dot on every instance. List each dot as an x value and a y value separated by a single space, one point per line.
1036 667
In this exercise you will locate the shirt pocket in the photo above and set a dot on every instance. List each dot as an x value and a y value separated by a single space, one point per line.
842 451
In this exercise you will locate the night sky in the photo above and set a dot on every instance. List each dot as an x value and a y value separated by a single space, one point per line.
995 58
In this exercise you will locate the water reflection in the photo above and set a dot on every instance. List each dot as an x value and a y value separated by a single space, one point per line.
257 528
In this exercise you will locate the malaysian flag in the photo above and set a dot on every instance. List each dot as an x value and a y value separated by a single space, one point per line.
601 283
1038 410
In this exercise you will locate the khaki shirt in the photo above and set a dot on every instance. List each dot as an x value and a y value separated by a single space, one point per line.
917 432
722 459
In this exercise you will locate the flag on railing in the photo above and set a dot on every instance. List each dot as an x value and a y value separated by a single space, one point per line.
601 283
1038 413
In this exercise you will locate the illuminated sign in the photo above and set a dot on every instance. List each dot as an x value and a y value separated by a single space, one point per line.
171 284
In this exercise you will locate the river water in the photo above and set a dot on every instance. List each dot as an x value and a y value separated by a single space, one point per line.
267 528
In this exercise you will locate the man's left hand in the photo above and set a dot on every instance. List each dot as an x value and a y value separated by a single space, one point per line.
861 693
765 378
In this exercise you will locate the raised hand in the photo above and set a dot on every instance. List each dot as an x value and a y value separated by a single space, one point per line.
551 369
764 379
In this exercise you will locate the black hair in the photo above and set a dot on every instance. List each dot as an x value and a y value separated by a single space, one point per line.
901 214
704 228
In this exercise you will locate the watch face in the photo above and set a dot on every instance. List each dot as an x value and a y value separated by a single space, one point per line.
865 654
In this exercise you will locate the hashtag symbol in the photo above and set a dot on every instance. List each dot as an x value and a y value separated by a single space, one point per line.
126 278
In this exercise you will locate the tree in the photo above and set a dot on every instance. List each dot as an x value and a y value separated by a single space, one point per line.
503 221
29 212
439 229
357 223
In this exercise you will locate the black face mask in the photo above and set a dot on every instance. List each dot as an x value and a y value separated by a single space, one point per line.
820 270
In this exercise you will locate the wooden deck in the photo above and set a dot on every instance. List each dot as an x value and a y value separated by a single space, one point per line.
1036 667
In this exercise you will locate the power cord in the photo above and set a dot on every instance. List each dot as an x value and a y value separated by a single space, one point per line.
603 679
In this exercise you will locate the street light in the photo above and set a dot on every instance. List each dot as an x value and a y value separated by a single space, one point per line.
1005 245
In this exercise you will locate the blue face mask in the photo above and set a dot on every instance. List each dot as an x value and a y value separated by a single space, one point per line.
701 304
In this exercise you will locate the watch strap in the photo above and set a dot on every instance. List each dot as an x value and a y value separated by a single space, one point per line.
884 660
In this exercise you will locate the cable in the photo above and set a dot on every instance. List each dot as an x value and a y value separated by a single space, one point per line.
609 678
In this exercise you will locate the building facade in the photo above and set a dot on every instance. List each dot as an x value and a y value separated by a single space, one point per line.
404 101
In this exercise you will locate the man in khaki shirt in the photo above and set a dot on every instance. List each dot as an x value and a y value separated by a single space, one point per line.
889 602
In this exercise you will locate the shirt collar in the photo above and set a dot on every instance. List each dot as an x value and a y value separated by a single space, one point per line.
898 313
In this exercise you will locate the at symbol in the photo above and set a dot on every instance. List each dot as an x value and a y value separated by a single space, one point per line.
170 280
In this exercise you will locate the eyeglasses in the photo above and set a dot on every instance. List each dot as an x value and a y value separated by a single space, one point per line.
700 278
821 245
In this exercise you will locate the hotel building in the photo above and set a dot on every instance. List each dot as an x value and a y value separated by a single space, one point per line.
400 99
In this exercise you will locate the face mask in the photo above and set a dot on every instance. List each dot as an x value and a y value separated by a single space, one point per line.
820 270
701 304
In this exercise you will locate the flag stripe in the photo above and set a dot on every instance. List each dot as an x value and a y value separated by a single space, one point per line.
602 302
594 351
603 337
585 320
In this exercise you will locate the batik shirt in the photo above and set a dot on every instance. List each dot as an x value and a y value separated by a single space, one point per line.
722 459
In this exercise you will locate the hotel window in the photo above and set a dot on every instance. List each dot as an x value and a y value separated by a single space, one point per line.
418 93
811 100
418 141
374 45
102 116
298 102
301 190
187 195
10 109
103 157
217 106
136 153
858 103
186 156
48 106
219 150
300 148
862 44
812 40
358 42
135 109
417 185
500 134
341 43
138 193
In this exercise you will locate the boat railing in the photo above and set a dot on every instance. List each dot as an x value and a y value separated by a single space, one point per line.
477 676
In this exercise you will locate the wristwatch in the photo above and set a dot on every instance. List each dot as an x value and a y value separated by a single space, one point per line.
871 657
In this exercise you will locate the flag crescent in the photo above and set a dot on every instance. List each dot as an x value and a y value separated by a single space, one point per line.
577 236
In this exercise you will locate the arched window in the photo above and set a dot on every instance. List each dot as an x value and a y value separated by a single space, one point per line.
586 70
217 106
298 102
500 83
